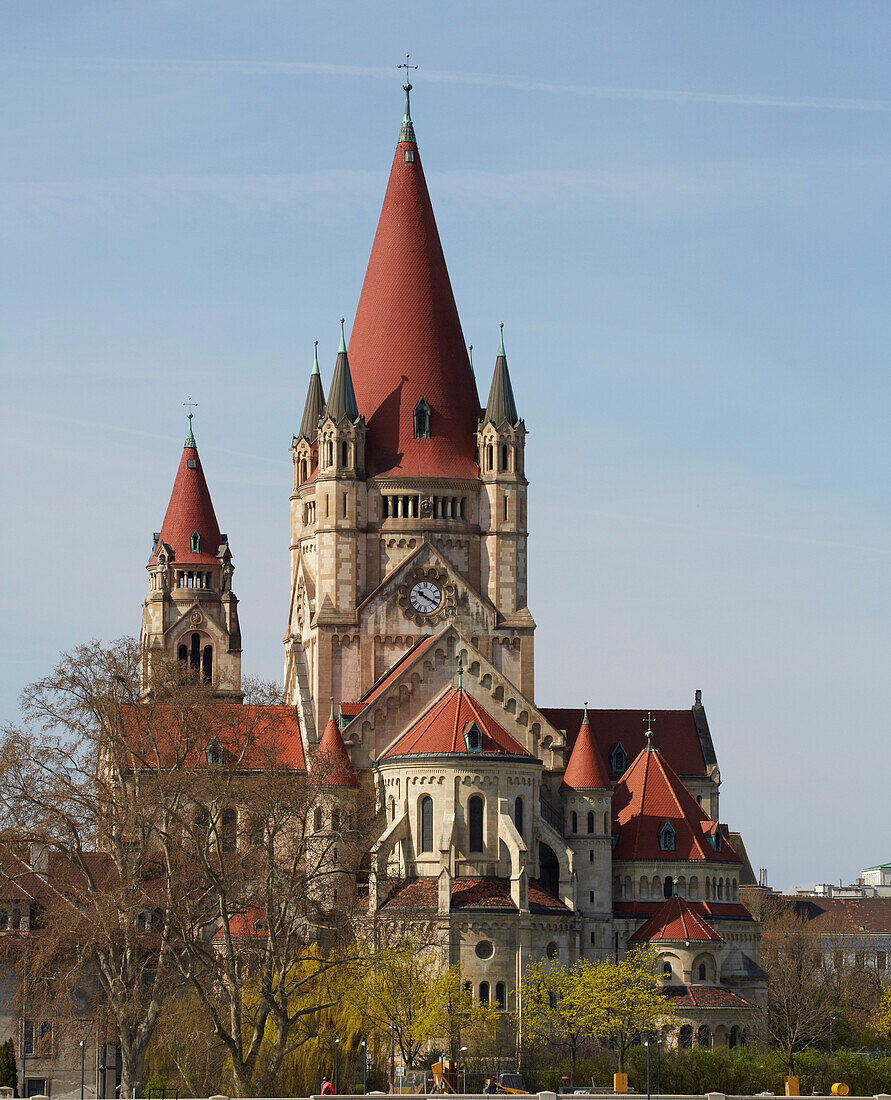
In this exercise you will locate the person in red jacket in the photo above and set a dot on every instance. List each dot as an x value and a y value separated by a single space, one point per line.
327 1087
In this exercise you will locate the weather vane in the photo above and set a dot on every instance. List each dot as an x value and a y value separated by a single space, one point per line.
190 404
405 65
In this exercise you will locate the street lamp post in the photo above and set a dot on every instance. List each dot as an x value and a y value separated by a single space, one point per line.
364 1066
336 1045
392 1059
831 1030
647 1045
83 1054
463 1050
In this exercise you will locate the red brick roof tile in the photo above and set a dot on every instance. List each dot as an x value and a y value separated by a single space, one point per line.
587 768
704 996
407 342
674 919
441 730
648 795
332 764
190 509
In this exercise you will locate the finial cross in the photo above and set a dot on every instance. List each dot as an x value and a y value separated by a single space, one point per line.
649 722
190 404
405 65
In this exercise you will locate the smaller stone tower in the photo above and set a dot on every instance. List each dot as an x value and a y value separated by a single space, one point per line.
501 443
332 844
191 613
587 799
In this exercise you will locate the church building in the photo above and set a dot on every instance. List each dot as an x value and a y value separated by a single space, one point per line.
520 829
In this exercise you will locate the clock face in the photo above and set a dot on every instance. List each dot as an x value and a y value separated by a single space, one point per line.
425 597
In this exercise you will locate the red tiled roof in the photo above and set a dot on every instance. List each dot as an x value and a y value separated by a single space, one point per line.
842 915
441 729
407 342
242 925
676 732
704 996
712 910
648 795
190 509
675 919
332 764
586 769
471 893
256 736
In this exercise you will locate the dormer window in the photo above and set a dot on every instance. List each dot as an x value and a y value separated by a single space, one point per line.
422 420
213 754
409 156
618 759
667 838
191 464
473 738
715 838
195 543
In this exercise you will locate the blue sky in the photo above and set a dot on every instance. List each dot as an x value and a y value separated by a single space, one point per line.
679 210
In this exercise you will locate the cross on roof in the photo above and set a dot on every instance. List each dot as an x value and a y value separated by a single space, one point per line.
649 722
405 65
190 404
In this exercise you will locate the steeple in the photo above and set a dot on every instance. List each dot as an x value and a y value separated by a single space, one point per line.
407 344
332 766
342 397
190 530
586 769
501 404
191 613
407 130
314 408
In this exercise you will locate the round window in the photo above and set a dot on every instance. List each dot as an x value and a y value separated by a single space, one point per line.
485 949
553 950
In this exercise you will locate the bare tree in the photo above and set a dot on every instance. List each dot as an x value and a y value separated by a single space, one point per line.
801 989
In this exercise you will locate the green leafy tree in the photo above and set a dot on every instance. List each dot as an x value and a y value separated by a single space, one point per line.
454 1015
622 1001
550 1007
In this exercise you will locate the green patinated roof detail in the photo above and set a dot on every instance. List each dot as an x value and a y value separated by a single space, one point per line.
501 405
342 396
314 409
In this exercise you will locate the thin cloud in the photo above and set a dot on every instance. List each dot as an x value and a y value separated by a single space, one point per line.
445 76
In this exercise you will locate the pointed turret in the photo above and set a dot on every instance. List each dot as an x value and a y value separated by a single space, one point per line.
191 613
332 766
501 406
342 397
586 769
407 345
314 408
190 530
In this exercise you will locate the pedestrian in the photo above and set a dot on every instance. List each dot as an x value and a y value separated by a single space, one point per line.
327 1087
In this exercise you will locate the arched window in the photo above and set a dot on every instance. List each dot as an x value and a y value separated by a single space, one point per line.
335 821
484 993
228 827
426 823
329 454
720 889
685 1037
195 651
704 1037
183 654
422 420
668 887
317 820
489 457
518 814
392 808
207 664
344 453
575 822
195 543
499 995
667 973
605 825
702 972
733 1037
505 457
475 823
591 821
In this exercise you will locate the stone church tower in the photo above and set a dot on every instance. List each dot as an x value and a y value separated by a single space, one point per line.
191 613
404 488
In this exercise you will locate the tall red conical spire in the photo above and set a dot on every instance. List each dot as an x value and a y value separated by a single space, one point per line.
407 342
586 769
332 765
190 512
